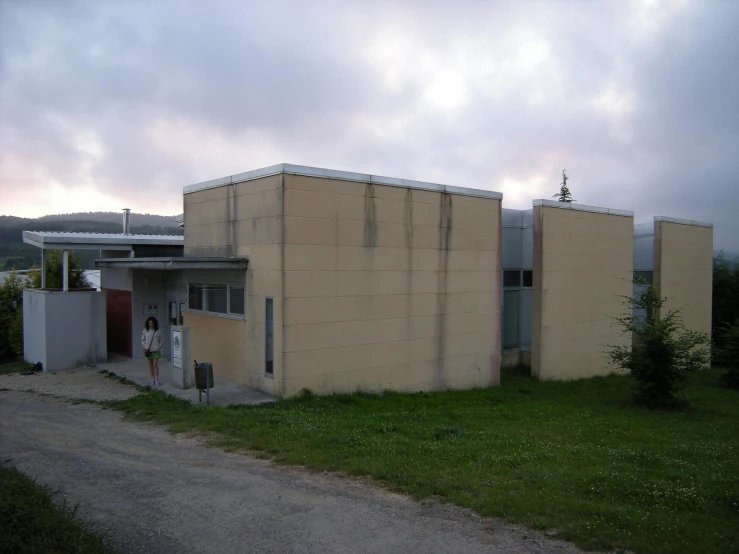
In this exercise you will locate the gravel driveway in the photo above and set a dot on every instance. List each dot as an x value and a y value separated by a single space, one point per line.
157 492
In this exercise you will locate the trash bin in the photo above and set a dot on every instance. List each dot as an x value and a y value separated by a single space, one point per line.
204 379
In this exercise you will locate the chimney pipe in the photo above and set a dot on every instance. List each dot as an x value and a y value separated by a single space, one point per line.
126 221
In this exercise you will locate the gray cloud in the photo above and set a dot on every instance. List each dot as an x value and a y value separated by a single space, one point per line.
137 99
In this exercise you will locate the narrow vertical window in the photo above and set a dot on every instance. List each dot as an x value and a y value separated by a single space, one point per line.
269 337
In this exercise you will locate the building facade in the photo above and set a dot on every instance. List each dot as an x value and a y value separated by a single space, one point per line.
354 281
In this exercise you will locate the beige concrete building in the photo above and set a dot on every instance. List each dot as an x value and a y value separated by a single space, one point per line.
676 255
583 265
354 281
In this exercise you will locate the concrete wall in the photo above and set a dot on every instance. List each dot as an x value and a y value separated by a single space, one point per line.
683 270
583 262
388 288
243 219
64 330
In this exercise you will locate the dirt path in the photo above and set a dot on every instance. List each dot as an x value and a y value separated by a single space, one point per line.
165 493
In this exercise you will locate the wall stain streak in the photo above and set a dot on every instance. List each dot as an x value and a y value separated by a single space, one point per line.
445 235
370 220
230 222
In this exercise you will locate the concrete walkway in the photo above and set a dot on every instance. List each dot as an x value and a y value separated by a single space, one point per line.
224 392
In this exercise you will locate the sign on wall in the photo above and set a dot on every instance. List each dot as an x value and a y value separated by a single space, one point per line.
177 348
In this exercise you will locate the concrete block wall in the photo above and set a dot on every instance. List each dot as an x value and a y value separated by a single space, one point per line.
64 330
388 287
583 263
683 269
242 219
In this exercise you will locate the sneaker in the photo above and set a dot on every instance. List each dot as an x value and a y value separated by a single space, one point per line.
152 383
158 383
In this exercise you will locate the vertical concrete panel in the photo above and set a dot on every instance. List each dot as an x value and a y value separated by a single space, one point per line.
34 327
374 309
65 330
683 271
583 264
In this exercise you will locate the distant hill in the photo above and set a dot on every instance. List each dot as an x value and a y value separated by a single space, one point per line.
15 253
115 217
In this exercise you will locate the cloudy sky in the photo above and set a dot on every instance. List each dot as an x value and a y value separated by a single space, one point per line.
105 105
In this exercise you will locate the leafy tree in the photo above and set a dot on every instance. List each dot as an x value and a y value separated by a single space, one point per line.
564 194
663 351
11 316
54 271
727 355
725 298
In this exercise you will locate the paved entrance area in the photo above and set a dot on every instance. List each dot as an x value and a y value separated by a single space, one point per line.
224 392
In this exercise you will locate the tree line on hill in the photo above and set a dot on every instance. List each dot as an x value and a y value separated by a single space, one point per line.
15 254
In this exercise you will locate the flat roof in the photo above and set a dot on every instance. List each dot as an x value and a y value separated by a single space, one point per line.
667 219
174 263
580 207
290 169
52 240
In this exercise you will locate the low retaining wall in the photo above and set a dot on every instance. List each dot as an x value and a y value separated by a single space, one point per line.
64 330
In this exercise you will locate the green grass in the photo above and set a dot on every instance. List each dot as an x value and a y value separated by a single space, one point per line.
31 523
574 457
15 366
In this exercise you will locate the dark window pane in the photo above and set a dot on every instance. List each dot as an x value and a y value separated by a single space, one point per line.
215 298
640 276
195 296
237 300
512 278
528 278
268 337
510 318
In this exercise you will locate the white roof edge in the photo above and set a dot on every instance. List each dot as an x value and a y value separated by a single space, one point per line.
43 239
681 221
307 171
580 207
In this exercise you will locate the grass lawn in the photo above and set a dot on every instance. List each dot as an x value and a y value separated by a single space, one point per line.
12 366
31 523
574 457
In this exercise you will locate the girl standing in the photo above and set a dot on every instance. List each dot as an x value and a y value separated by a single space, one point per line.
151 341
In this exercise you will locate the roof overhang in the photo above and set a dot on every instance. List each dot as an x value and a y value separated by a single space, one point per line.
172 264
48 240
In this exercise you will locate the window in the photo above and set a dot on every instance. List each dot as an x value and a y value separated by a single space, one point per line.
216 299
236 301
640 276
528 278
512 278
511 312
269 357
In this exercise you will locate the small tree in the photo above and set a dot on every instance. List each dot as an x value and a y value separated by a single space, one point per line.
564 194
11 316
663 351
54 272
727 355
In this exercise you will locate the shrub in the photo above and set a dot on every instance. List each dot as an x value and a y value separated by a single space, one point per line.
727 355
663 351
11 316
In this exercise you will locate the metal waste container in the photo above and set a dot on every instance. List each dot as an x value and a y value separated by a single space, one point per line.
204 379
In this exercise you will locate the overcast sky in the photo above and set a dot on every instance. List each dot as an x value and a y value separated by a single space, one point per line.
105 105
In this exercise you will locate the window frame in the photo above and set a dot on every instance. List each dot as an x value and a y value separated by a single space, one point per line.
520 287
226 315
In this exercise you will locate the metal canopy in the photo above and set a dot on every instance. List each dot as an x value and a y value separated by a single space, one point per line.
171 264
49 240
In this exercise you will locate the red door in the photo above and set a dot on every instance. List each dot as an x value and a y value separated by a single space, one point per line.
118 313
